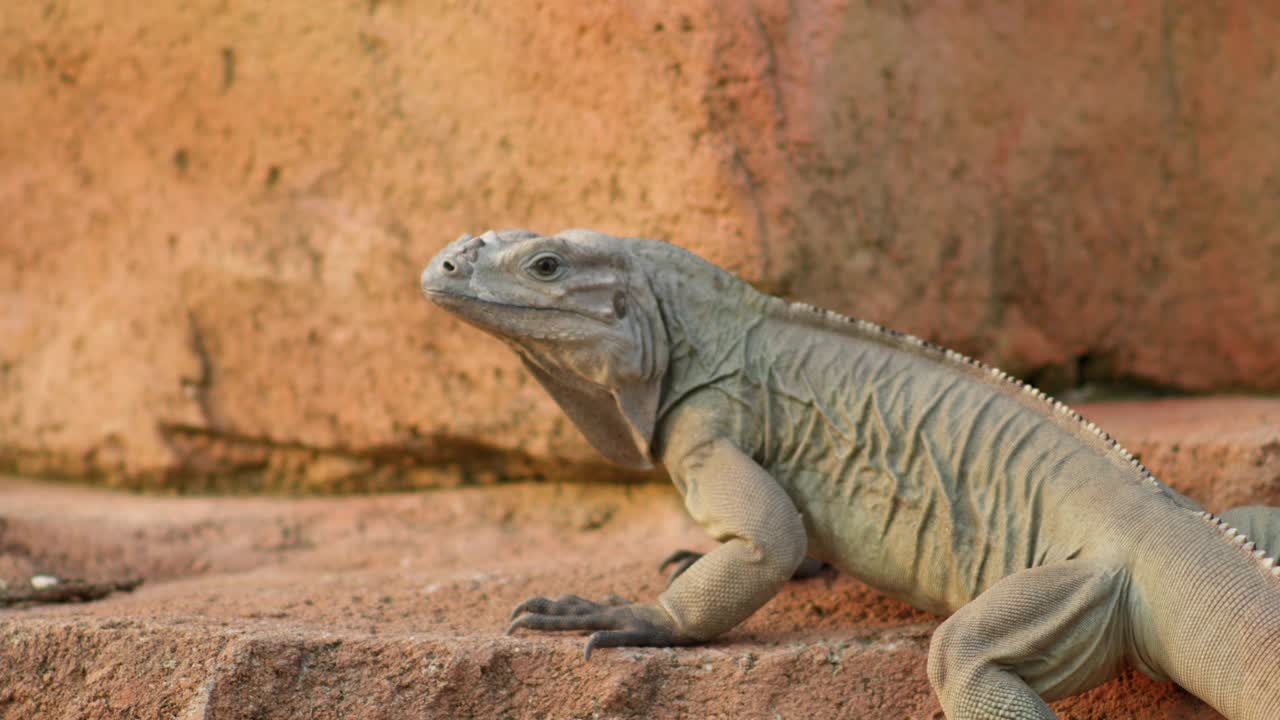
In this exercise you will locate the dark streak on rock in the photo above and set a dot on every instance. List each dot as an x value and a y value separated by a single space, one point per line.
222 461
200 385
228 68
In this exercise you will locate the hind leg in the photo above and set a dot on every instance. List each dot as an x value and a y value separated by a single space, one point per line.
1260 523
1047 632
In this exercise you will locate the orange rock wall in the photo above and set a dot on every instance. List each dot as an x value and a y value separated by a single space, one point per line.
214 213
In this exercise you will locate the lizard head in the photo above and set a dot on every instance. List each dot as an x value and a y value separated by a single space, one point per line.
580 314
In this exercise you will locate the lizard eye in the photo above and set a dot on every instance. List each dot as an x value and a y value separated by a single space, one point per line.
546 267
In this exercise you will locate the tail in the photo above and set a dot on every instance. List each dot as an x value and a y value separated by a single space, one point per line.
1209 614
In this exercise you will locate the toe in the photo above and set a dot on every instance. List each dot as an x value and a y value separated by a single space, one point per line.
679 557
593 621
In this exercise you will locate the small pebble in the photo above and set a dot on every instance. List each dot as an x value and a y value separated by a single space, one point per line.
40 582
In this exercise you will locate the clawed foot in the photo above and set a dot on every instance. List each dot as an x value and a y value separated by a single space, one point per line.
682 560
613 623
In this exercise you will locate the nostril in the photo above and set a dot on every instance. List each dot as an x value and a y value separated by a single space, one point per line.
448 266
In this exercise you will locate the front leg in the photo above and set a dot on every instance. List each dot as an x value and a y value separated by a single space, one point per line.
763 542
682 560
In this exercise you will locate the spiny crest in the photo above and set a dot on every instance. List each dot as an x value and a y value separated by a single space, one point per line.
1248 546
962 359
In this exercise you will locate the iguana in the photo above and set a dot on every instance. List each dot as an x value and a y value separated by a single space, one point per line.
792 431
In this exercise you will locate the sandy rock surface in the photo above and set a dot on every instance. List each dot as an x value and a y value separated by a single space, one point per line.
216 213
393 606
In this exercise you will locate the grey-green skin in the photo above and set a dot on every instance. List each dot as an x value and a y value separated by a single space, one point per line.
792 431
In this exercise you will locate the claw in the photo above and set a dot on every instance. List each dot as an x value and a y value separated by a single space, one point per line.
619 638
678 556
523 607
682 559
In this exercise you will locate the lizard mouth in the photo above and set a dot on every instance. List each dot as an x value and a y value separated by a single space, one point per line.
452 300
507 320
480 310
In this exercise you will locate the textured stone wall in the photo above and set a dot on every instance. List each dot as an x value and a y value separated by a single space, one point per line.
214 213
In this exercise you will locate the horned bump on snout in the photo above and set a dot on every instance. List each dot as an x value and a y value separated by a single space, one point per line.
452 265
459 262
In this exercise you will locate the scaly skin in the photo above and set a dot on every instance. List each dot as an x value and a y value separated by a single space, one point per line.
793 431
